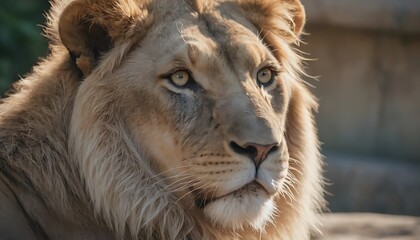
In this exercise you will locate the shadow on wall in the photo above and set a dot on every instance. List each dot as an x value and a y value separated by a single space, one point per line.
368 60
368 184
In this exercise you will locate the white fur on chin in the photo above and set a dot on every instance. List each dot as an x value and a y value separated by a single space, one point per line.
240 209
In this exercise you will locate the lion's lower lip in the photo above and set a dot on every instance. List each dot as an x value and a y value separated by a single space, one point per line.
202 202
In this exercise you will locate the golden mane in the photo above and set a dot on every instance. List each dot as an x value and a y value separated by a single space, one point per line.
70 150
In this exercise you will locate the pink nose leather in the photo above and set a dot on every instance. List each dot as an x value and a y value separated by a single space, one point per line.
261 151
257 152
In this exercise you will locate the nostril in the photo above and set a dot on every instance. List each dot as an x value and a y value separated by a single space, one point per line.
249 150
257 152
273 149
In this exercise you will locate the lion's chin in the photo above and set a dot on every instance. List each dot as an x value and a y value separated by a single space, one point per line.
250 207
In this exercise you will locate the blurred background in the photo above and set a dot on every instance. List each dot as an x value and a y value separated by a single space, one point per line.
367 57
21 42
368 62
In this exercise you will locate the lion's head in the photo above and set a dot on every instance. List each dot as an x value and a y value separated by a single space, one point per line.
191 119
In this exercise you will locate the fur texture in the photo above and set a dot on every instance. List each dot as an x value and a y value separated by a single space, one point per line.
99 142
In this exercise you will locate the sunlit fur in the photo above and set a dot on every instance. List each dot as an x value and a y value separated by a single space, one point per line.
102 146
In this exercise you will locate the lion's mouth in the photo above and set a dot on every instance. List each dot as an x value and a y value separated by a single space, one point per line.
201 202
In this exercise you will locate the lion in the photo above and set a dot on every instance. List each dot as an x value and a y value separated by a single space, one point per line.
162 119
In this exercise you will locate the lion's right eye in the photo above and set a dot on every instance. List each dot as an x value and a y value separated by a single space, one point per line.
265 77
180 78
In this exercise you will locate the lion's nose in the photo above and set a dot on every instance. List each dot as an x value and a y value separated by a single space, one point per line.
257 152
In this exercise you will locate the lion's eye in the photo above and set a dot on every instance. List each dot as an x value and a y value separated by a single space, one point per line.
265 77
180 78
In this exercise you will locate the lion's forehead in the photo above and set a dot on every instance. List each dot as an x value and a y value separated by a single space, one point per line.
224 49
238 48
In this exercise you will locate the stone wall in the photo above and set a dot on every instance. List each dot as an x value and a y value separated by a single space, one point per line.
368 59
377 15
363 226
368 184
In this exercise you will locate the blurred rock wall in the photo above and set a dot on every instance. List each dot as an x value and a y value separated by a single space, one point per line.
368 60
369 184
367 57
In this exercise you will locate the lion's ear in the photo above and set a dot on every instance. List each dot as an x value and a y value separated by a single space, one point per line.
281 17
89 28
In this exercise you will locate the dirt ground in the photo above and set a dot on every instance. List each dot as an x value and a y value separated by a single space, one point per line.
367 226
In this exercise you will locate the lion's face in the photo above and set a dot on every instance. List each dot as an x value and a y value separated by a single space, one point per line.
207 105
195 105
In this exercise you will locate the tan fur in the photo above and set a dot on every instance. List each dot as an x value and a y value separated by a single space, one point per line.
98 144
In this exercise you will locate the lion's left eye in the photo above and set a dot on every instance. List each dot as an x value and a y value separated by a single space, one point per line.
265 77
180 78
